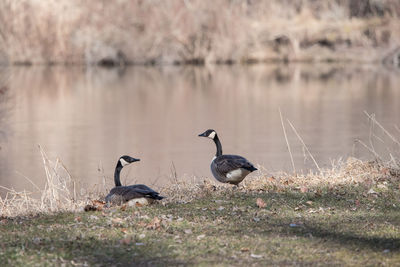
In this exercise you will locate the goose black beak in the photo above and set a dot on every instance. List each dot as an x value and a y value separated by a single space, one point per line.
203 134
133 160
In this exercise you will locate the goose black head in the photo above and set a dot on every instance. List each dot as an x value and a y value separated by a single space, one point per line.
125 160
210 133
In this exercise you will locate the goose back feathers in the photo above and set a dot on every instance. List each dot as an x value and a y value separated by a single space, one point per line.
121 194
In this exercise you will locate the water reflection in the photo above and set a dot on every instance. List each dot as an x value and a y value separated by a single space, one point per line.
89 117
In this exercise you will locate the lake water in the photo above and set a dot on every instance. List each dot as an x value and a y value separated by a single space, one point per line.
90 117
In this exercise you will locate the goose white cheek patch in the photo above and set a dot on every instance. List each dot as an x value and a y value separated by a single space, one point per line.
212 135
123 162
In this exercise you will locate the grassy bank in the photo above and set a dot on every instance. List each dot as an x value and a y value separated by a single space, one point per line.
198 32
348 216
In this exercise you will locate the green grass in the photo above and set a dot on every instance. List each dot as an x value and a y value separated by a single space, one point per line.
340 225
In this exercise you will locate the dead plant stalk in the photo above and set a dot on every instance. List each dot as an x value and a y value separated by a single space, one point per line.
287 142
304 145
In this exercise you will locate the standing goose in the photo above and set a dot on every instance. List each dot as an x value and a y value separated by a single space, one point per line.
230 169
140 192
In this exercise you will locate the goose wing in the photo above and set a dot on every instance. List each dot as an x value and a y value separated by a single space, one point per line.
126 193
227 163
145 191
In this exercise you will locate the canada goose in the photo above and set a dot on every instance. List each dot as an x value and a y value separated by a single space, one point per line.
141 193
230 169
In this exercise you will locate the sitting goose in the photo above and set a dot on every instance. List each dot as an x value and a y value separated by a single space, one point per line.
230 169
141 193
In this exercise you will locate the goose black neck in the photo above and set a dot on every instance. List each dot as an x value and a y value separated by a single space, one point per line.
118 169
219 146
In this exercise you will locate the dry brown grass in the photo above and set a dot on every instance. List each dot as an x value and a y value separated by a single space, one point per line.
59 193
197 31
352 172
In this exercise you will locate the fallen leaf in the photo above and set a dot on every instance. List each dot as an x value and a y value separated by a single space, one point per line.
357 202
123 207
142 224
154 224
98 203
126 241
37 240
91 208
271 179
78 219
117 221
371 191
244 249
188 231
199 237
93 217
256 256
303 189
382 186
260 203
309 203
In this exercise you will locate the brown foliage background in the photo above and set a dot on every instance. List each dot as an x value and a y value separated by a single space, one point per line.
196 31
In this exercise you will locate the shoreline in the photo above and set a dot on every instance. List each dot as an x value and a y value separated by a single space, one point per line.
387 58
62 196
346 217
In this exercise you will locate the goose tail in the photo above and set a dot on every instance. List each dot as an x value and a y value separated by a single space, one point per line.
156 196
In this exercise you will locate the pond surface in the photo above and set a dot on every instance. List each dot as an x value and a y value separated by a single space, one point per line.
90 117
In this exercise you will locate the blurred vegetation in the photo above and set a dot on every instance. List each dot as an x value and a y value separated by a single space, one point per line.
198 31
